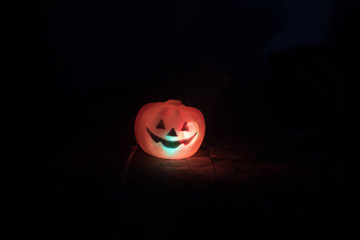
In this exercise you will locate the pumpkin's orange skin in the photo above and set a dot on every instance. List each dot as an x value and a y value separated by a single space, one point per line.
174 114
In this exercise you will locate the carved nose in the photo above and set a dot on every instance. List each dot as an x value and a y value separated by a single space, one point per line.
172 133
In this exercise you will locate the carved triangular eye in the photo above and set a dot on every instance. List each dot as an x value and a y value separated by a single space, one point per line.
161 125
184 127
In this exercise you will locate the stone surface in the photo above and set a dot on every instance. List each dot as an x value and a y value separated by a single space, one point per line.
224 162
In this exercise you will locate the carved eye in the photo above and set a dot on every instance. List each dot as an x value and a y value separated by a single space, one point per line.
161 125
184 127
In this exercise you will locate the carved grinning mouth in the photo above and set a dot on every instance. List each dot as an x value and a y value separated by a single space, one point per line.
170 144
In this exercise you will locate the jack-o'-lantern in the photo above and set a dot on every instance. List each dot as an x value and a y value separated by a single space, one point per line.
169 129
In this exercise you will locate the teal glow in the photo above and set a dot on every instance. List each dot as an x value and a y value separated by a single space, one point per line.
170 151
171 138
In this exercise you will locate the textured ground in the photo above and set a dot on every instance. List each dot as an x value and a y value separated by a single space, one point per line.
222 161
232 184
229 187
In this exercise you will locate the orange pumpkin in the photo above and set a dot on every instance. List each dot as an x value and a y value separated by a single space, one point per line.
169 129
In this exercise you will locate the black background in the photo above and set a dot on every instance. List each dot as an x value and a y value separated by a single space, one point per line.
254 68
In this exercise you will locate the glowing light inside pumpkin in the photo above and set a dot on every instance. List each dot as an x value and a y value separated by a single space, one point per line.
170 151
169 129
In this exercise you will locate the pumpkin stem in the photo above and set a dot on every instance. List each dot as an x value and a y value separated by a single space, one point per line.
174 102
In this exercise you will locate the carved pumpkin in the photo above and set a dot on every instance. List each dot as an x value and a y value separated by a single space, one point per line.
169 129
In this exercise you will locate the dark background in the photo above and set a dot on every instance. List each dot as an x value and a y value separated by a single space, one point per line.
254 68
